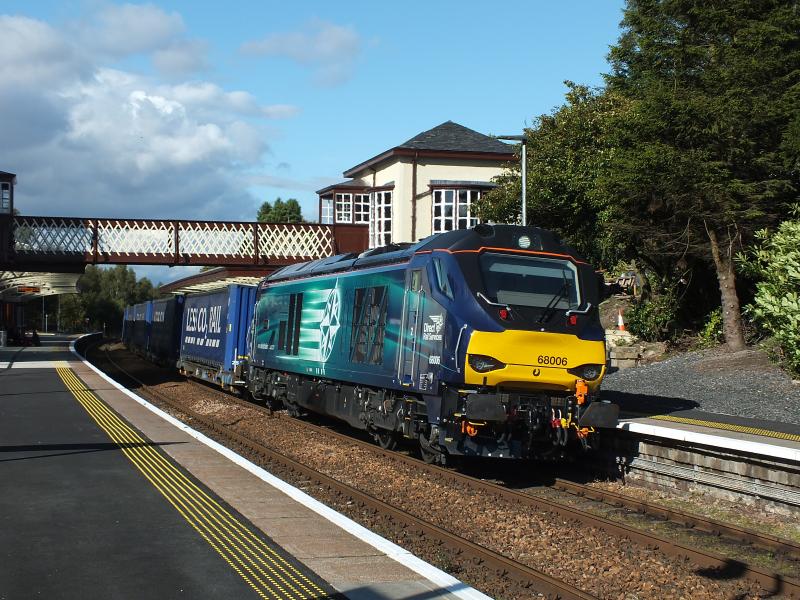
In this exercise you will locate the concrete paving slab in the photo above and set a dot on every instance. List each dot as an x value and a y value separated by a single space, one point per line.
336 555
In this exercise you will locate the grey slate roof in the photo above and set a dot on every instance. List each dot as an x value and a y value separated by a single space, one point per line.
450 136
349 183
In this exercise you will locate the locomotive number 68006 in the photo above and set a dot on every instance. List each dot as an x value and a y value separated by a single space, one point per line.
555 361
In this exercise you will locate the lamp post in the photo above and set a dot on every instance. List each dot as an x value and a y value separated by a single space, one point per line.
523 140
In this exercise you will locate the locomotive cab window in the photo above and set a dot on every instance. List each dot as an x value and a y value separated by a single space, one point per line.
530 281
442 280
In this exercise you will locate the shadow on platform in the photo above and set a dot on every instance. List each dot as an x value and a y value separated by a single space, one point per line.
647 405
67 449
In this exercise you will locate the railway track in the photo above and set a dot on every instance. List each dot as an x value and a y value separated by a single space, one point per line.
503 566
708 562
683 518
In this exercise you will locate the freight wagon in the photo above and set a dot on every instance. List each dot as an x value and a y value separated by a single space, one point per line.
162 347
127 325
140 327
214 334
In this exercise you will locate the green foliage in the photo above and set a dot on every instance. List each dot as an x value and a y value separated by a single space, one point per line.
567 152
705 157
104 294
73 313
654 319
280 212
775 260
694 141
711 335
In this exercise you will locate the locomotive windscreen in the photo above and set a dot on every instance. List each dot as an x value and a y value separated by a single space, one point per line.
530 281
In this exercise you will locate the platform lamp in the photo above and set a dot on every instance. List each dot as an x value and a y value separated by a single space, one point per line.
524 141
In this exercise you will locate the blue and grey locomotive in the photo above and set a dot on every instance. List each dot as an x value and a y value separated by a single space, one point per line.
479 342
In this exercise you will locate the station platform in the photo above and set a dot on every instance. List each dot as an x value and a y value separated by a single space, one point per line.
759 437
105 496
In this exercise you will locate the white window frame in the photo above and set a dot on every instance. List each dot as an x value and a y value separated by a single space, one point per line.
380 230
361 208
5 196
343 207
450 202
326 211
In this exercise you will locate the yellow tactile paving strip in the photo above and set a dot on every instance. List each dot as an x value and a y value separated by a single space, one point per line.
264 570
778 435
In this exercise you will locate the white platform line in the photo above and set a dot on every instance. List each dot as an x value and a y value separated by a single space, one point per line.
34 364
717 441
447 583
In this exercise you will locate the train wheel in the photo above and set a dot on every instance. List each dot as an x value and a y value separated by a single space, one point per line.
386 439
429 456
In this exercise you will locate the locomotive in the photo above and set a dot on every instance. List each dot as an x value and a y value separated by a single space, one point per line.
480 342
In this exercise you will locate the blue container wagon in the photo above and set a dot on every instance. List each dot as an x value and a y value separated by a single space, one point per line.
163 346
214 335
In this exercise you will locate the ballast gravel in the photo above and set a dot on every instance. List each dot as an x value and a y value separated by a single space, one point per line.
601 564
742 384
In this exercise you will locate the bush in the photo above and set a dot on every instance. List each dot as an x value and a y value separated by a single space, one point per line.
654 319
712 334
775 260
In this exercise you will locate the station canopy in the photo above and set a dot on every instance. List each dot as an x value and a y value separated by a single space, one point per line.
215 279
19 286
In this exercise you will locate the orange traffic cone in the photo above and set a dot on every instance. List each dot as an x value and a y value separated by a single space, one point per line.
620 321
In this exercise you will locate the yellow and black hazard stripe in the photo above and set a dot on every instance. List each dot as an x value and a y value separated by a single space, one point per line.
264 569
778 435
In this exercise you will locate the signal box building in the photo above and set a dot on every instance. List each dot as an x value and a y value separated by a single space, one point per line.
426 185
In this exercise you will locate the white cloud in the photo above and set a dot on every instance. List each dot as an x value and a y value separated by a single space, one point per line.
127 29
204 95
330 50
87 139
181 58
120 31
35 54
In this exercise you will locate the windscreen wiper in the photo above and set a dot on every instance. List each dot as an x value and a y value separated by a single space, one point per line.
550 308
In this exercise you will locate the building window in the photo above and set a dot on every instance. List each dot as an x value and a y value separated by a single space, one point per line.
344 208
361 208
5 196
381 221
326 214
453 209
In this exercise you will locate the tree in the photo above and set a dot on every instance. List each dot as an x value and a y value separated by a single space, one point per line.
567 153
705 157
692 146
280 212
104 294
73 312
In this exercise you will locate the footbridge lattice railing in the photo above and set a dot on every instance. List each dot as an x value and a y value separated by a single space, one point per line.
171 242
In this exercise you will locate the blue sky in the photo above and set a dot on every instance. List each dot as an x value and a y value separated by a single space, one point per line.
189 110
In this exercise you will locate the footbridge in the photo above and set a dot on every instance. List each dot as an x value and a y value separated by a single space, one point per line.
44 255
58 243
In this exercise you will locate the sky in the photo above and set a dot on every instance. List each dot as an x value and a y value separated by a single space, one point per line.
203 110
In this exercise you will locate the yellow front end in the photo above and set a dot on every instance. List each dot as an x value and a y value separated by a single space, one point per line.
534 360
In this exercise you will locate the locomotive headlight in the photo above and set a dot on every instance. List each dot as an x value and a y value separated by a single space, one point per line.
588 372
484 364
